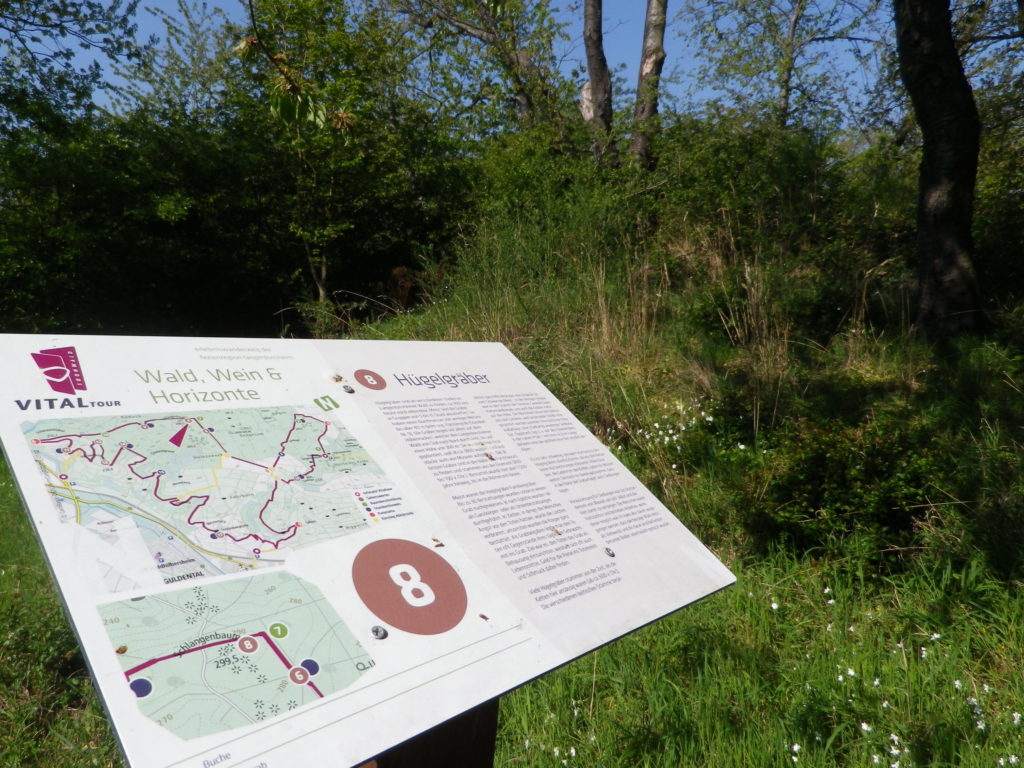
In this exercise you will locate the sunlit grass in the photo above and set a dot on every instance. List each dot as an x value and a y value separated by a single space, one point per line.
799 663
844 653
49 712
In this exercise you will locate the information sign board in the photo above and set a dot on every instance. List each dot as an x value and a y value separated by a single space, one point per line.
273 550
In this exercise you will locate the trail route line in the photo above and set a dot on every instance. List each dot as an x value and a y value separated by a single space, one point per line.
210 493
227 654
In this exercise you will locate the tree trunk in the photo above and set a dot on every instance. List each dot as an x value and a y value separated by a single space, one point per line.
944 108
647 84
787 65
597 93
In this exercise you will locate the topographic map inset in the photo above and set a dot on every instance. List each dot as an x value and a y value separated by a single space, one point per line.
227 654
210 493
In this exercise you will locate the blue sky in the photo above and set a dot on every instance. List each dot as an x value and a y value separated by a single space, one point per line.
624 30
623 23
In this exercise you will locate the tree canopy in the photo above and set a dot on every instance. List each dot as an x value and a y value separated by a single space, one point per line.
312 149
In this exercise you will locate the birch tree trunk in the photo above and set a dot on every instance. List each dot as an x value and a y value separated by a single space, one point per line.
597 93
648 83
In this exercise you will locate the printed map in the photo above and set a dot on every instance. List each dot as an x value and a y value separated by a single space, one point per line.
211 493
226 654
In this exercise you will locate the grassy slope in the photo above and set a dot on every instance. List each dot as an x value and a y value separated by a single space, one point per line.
826 660
49 712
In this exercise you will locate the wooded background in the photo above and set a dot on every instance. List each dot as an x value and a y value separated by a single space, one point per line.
320 164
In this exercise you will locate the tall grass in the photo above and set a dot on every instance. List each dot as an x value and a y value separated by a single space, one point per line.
740 342
49 712
802 662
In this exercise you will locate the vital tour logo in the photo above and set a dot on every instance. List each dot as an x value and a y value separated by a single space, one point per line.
62 370
63 373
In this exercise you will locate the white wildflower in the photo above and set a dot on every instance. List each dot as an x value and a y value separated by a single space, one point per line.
935 636
1016 718
572 751
1012 759
980 725
876 682
924 653
830 601
876 759
555 752
865 727
775 606
850 672
894 738
957 684
885 704
827 590
795 748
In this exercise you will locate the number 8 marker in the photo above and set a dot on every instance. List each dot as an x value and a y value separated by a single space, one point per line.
430 597
408 578
370 379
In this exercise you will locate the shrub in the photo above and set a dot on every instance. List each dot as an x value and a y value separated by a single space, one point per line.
826 484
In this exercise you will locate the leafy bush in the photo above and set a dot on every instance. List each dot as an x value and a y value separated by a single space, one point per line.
825 484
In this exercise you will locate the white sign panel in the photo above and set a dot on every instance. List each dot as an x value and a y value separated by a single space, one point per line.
273 550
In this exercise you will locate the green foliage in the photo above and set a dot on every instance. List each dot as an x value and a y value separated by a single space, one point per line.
133 225
490 67
773 59
292 109
371 178
49 711
983 397
999 209
801 659
782 219
195 187
826 484
39 42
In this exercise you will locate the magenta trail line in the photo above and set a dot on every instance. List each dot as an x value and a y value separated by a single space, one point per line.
98 454
146 664
270 642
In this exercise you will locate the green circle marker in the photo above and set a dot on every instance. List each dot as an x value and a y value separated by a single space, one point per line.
278 630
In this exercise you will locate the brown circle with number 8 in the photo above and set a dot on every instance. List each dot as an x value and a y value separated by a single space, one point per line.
370 379
409 586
